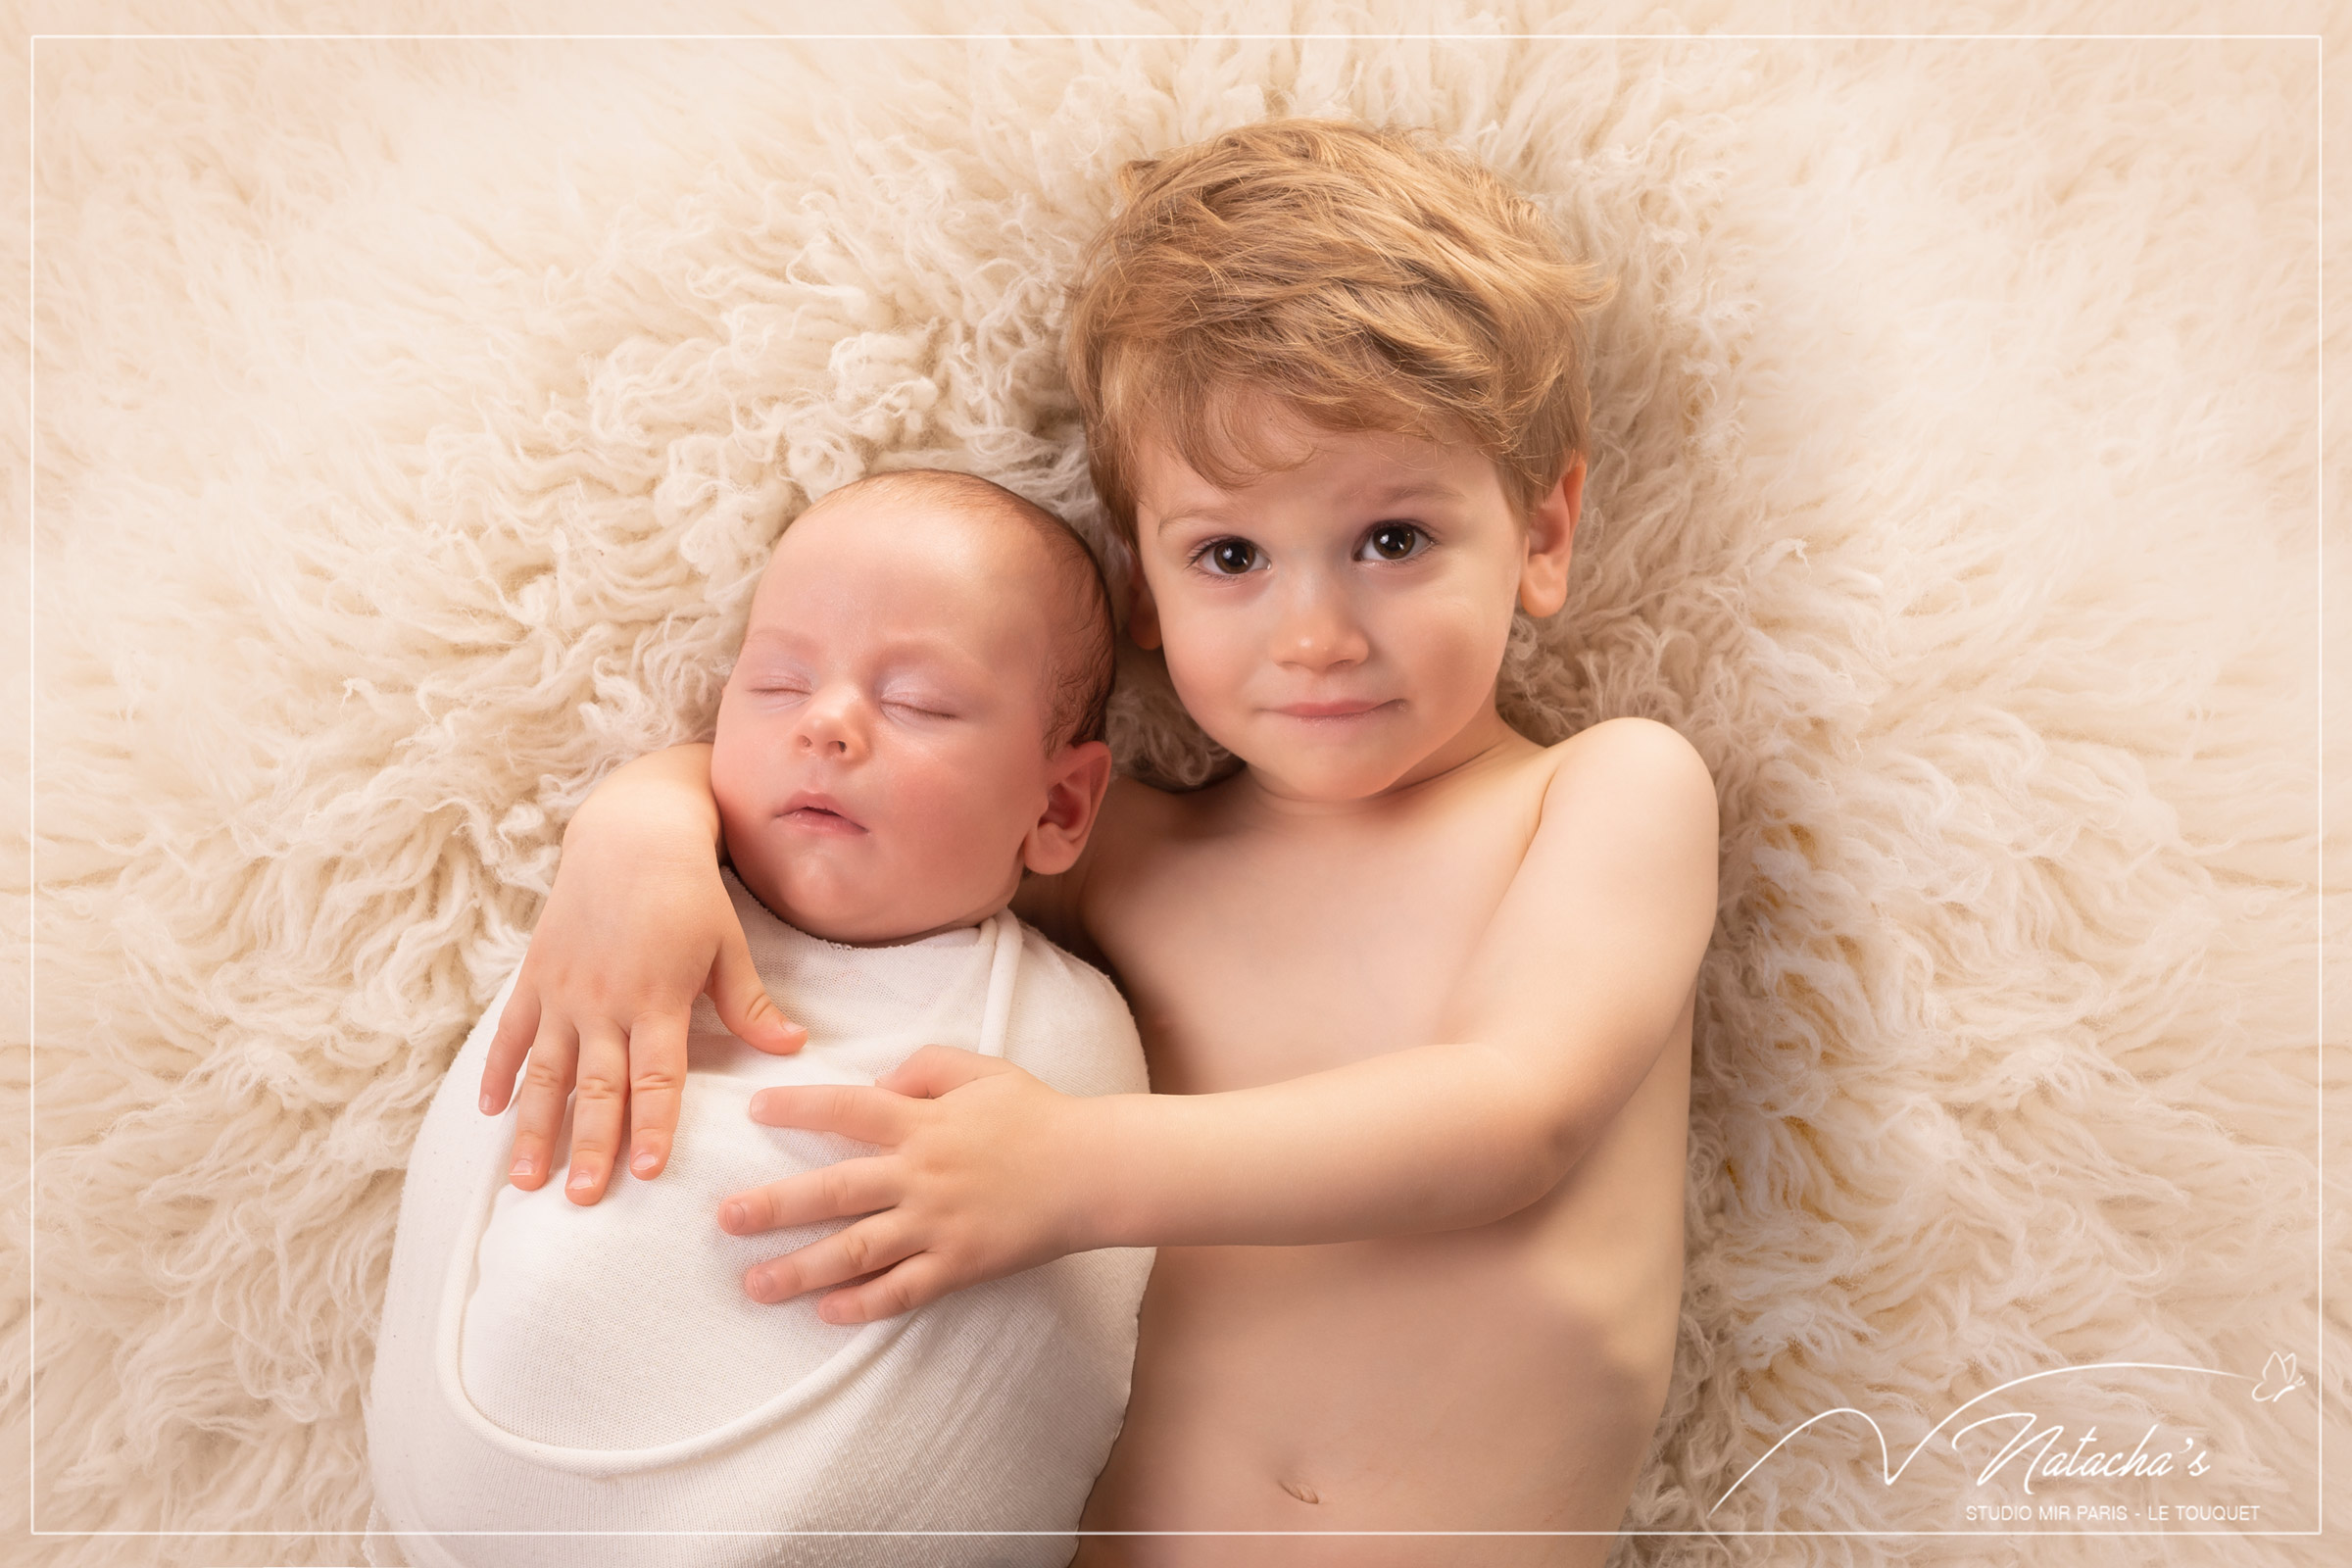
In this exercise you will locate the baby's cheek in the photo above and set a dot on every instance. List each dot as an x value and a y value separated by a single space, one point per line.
972 814
930 809
731 787
742 758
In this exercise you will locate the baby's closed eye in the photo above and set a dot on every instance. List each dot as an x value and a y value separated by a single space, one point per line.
921 703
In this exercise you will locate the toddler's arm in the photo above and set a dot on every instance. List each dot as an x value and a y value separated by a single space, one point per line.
1583 973
636 926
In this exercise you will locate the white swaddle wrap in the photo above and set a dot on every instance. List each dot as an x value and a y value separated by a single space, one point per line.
545 1368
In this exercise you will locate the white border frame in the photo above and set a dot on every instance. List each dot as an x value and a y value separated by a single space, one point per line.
2318 44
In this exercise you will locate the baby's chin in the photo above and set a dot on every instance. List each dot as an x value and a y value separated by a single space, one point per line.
858 915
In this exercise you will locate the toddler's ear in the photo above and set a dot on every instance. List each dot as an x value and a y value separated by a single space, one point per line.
1551 541
1075 784
1143 610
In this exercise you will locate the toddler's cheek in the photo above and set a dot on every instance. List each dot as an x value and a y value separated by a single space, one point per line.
1211 692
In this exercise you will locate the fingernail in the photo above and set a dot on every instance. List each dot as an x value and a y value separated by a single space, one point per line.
579 1180
829 1312
732 1216
489 1103
522 1167
759 1287
645 1161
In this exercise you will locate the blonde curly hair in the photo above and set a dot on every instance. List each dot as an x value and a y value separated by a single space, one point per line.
1367 279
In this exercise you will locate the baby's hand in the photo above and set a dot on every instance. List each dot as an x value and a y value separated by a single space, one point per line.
637 926
985 1171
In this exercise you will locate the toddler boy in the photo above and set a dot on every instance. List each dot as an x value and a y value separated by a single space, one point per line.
911 723
1416 993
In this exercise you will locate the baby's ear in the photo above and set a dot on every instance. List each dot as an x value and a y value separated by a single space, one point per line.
1076 780
1551 541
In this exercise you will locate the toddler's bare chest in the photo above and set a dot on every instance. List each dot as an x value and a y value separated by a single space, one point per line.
1253 959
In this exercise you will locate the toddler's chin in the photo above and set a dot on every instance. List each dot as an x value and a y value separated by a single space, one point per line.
1326 765
1329 778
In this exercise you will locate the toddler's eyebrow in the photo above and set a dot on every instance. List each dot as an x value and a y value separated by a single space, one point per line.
1386 494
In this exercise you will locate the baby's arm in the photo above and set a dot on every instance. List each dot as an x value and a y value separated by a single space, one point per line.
1574 988
636 926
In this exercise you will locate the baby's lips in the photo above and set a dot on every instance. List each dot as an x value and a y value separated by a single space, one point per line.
816 802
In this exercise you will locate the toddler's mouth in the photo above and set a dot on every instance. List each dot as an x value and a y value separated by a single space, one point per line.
1332 710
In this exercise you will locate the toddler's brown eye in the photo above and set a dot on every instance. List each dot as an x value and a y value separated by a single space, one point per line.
1233 557
1394 541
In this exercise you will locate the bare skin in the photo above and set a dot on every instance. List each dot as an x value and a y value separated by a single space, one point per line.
1416 995
1503 1376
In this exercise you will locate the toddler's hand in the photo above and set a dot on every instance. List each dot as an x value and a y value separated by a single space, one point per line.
983 1173
637 926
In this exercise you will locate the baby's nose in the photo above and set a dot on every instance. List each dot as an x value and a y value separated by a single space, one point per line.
831 726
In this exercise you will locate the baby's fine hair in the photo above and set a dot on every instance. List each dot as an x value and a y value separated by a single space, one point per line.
1083 660
1368 280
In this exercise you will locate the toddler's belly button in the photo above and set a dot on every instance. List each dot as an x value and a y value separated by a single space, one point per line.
1301 1490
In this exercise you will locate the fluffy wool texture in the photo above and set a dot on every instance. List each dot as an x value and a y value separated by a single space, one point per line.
415 416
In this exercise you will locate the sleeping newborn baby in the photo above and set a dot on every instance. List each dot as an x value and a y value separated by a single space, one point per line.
923 654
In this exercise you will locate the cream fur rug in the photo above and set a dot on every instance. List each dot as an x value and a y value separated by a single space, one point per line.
413 416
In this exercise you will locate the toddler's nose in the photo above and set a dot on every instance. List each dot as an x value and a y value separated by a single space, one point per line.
1319 629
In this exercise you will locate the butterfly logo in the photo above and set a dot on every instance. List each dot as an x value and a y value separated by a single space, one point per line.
2278 1378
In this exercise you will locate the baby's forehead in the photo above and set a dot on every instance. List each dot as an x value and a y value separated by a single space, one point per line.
882 559
959 554
913 537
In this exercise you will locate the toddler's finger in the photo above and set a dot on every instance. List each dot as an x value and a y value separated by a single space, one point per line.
869 1244
742 1004
869 1115
656 1075
599 1106
833 1192
933 1070
509 1046
919 1280
539 1107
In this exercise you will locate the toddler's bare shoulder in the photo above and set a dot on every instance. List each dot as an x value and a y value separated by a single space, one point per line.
1631 769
